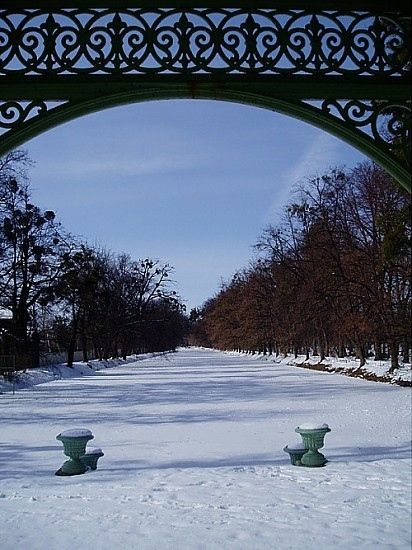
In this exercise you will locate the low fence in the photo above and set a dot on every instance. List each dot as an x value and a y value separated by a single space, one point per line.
47 359
13 363
7 364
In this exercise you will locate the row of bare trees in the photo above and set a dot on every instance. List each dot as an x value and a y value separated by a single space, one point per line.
60 294
114 305
334 277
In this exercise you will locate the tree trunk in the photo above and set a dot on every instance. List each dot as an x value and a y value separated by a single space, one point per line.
36 349
19 331
360 354
83 339
124 351
84 347
70 351
325 345
341 351
106 352
72 343
406 358
97 353
377 348
322 353
394 350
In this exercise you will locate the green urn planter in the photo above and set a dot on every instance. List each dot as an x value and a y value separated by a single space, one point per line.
295 453
313 439
90 458
74 446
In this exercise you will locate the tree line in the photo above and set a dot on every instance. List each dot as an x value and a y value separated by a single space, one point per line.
58 293
332 278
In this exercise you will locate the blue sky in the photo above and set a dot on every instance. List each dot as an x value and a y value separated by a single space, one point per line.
192 183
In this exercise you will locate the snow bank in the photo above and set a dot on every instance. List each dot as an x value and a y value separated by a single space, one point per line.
375 371
41 375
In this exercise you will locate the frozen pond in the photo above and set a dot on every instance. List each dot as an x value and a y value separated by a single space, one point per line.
193 459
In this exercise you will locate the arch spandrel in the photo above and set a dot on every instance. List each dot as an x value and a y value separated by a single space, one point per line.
343 69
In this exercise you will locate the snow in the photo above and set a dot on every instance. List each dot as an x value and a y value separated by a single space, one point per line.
378 371
194 459
77 432
32 377
296 447
94 451
313 426
372 370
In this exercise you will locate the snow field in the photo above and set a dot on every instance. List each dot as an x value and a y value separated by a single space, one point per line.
193 459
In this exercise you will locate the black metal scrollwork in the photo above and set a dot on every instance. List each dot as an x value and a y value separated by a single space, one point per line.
200 40
386 122
212 45
13 113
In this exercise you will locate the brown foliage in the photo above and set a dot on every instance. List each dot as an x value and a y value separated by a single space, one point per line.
334 276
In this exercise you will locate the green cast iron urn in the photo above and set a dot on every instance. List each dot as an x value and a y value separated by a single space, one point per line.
90 458
295 452
74 446
313 439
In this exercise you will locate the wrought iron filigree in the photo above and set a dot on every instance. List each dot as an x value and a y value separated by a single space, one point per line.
345 70
200 41
388 123
15 113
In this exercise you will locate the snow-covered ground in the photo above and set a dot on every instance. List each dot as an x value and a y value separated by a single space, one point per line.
40 375
193 459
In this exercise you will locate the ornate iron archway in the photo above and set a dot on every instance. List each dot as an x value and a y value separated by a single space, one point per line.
343 66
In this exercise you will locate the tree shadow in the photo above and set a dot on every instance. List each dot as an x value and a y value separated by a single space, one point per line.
180 394
20 460
369 453
23 461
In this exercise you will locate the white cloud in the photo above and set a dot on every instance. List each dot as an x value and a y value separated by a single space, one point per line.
322 153
122 167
